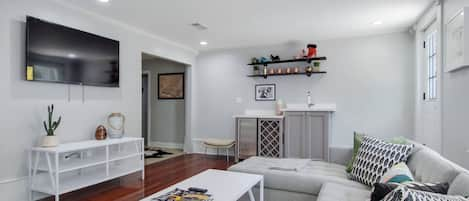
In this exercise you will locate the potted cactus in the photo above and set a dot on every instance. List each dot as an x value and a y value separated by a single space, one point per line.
50 140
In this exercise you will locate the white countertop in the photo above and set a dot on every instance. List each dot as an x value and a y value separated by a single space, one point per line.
260 116
314 108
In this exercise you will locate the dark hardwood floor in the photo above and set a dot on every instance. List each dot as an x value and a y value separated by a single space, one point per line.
157 177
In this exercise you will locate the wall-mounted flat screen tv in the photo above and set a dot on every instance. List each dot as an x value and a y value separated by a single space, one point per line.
55 53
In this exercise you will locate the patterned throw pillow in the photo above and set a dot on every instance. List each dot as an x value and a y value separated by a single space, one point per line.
405 194
357 141
375 157
399 173
380 190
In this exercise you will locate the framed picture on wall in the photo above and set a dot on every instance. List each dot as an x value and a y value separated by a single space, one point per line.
265 92
171 86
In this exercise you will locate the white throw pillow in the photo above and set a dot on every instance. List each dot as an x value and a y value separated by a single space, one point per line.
397 174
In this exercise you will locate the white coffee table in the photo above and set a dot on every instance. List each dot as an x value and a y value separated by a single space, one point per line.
222 185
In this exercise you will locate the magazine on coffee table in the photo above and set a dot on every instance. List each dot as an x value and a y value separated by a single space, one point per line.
183 195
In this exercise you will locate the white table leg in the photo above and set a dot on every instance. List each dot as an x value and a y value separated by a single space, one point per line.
30 167
49 165
261 191
227 157
251 195
142 151
57 182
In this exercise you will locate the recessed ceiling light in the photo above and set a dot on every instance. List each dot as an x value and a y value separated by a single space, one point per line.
103 1
378 22
71 55
204 43
462 13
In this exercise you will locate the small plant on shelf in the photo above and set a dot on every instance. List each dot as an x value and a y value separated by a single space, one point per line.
51 126
50 140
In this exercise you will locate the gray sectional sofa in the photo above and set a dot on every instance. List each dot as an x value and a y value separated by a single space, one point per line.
308 180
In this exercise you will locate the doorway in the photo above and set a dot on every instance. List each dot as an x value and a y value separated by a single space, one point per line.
429 76
146 108
163 118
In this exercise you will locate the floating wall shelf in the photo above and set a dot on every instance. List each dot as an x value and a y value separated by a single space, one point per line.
290 61
302 73
308 60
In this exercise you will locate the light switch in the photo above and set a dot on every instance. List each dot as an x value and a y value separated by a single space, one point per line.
239 100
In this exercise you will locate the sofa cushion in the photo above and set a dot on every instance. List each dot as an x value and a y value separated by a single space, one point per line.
428 166
341 192
460 185
405 194
375 157
380 190
296 175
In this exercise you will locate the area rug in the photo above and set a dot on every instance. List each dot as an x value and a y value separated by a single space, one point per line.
158 154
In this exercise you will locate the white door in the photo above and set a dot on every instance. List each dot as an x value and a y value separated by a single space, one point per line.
430 101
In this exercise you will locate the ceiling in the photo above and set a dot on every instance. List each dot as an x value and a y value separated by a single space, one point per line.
243 23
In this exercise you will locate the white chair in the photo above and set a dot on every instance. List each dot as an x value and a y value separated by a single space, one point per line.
219 144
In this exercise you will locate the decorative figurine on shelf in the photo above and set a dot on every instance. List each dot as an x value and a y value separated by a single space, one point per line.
312 50
274 58
263 60
271 71
296 70
316 66
255 70
116 123
51 139
101 133
301 55
254 60
279 71
309 70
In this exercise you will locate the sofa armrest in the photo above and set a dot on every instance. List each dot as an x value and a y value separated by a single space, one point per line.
340 155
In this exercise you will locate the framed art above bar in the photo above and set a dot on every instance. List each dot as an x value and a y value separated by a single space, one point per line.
265 92
171 86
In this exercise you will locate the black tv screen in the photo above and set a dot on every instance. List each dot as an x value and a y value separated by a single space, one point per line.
55 53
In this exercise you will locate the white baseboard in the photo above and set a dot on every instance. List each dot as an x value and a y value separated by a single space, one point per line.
168 145
17 189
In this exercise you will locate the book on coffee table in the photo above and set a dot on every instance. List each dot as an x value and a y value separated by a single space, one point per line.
183 195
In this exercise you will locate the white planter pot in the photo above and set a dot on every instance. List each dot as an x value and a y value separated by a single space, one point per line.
50 141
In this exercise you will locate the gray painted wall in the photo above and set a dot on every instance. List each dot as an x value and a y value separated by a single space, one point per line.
455 102
167 116
371 79
23 103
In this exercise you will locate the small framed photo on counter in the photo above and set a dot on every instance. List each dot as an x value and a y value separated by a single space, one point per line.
265 92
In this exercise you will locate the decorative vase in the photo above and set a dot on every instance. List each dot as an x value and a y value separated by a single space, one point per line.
317 66
309 70
279 106
101 133
256 70
50 141
116 123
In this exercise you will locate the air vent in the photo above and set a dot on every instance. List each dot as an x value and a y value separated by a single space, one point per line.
199 26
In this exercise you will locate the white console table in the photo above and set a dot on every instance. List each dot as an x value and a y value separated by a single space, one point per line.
72 166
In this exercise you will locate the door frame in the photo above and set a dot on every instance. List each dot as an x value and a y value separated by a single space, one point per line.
432 16
148 73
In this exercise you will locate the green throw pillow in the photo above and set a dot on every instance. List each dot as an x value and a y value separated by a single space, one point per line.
357 141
